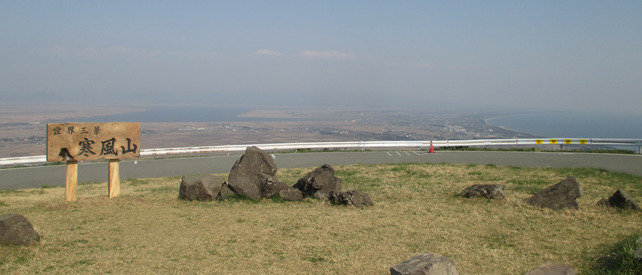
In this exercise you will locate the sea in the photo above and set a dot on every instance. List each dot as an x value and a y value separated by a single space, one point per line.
558 125
573 125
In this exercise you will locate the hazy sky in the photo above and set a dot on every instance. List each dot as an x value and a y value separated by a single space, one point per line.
528 55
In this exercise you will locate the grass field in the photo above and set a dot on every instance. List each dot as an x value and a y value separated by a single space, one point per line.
417 209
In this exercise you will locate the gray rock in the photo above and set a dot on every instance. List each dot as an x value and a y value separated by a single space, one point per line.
270 185
225 192
604 203
353 197
621 199
489 191
552 269
291 194
637 255
558 196
17 230
245 176
319 182
201 188
425 264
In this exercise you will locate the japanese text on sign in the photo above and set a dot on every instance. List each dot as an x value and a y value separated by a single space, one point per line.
87 141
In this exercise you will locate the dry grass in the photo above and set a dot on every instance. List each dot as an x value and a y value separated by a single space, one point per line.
148 230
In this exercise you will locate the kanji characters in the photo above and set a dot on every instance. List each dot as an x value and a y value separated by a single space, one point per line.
81 141
129 147
108 147
57 130
86 147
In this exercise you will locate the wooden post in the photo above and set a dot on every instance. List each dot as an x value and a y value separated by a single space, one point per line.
79 141
114 178
71 184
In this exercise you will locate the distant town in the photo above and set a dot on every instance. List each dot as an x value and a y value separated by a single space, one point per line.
23 133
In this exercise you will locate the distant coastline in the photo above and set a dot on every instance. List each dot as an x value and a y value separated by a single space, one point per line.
572 125
489 121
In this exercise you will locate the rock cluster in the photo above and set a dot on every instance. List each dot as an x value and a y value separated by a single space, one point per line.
620 199
319 183
253 176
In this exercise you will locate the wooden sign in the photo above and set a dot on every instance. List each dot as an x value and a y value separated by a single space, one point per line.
73 142
88 141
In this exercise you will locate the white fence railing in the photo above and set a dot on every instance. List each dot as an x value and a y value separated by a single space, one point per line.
361 145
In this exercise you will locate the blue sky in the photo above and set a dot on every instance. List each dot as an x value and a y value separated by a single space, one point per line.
489 55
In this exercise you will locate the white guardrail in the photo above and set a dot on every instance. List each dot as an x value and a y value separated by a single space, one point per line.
360 145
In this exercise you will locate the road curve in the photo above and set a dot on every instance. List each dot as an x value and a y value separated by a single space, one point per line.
35 177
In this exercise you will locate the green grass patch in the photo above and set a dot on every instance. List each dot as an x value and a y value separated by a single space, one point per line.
136 182
164 189
619 259
10 191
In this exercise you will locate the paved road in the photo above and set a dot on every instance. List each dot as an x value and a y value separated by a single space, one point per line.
34 177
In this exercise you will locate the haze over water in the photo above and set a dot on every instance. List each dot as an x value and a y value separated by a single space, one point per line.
570 125
573 125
